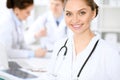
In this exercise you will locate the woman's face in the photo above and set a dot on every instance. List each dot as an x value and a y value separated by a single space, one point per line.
78 16
56 7
22 14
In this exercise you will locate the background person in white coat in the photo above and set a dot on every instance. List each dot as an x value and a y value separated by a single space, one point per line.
49 27
87 56
11 29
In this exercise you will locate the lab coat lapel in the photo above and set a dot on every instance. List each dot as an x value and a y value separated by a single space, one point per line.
80 59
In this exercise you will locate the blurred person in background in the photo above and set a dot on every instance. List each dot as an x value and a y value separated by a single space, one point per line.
11 29
49 27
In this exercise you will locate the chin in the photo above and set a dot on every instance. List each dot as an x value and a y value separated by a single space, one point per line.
24 19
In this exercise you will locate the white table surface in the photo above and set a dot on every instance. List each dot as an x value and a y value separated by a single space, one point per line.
36 66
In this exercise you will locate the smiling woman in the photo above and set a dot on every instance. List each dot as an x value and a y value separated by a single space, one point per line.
78 19
85 55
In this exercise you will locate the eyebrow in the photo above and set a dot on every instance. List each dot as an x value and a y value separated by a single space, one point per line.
77 10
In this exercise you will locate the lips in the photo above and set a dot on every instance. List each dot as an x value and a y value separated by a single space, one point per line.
77 26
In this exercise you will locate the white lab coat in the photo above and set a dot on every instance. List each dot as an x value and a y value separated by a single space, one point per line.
3 58
11 35
104 64
54 32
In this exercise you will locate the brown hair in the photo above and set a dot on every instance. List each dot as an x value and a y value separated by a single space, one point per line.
60 0
91 3
21 4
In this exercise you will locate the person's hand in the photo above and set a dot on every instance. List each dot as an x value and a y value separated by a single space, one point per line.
40 52
41 33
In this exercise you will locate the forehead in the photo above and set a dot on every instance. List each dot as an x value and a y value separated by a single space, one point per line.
76 4
56 1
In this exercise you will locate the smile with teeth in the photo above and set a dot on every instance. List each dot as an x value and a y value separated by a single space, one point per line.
77 26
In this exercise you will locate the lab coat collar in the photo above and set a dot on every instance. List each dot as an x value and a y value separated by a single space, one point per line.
89 46
18 23
80 58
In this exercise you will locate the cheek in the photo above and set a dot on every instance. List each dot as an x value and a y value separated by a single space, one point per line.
52 8
67 20
87 20
23 16
60 8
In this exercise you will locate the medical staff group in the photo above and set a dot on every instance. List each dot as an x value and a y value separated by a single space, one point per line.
81 55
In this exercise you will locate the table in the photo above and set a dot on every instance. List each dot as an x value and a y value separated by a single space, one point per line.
36 66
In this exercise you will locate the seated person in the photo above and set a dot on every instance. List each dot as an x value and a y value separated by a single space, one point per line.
11 30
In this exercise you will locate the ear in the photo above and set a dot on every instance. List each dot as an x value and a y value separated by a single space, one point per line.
16 10
93 14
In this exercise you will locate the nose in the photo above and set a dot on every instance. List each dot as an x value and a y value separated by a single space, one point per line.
75 19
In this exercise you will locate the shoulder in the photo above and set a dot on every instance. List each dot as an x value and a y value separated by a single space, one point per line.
107 46
109 52
111 58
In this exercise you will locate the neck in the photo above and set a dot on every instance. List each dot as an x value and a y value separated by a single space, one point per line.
87 35
81 41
